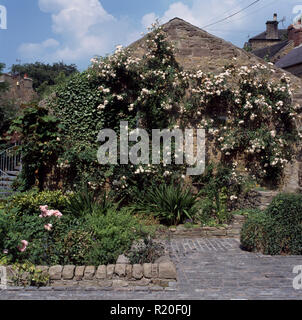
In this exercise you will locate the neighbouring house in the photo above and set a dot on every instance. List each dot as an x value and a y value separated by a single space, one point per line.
20 89
292 62
273 36
280 46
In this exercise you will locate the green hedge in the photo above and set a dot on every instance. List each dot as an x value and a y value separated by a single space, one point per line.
277 230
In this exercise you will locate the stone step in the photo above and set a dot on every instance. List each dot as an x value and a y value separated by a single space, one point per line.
5 194
6 182
8 178
13 173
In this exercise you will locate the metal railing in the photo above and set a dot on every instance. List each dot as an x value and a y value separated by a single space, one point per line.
10 159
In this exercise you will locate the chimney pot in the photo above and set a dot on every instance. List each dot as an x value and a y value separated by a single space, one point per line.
275 16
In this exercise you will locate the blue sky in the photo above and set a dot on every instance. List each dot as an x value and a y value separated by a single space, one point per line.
74 31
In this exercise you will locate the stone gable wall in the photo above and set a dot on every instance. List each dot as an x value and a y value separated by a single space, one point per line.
196 49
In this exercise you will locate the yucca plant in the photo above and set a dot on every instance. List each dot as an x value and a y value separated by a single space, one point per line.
169 203
86 202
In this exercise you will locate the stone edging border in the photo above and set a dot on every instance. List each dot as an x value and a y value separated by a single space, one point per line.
114 275
231 231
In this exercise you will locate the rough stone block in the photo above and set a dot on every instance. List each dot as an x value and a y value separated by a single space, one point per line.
10 272
154 270
68 272
147 270
101 272
89 272
165 258
79 273
119 283
42 269
128 271
120 270
122 259
137 271
88 283
55 272
140 283
167 270
217 233
105 283
110 271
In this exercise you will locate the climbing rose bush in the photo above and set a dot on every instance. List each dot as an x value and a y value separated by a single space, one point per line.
248 116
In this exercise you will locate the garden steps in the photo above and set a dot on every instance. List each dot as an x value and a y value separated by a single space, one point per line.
13 173
266 198
10 167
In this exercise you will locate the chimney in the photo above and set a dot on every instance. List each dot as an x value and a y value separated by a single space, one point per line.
272 32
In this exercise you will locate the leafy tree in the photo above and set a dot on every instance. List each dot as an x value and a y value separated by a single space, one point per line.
41 147
44 75
7 108
3 85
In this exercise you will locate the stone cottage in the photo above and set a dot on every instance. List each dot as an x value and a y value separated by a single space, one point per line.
20 89
198 50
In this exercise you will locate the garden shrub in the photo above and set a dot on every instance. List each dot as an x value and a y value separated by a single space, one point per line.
39 132
286 209
278 230
87 201
34 276
253 232
219 187
53 237
145 251
27 203
113 234
170 203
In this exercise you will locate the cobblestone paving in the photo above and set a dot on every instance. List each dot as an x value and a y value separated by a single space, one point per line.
207 269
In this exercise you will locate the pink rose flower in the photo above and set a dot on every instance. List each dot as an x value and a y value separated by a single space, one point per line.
57 213
49 213
44 210
24 246
48 227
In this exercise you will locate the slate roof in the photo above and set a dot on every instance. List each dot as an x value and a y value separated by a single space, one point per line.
270 51
262 35
292 58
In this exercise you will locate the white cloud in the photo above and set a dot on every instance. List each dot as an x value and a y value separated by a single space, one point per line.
201 13
183 11
148 19
84 29
38 48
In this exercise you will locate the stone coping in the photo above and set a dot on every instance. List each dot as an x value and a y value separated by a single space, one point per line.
114 275
230 231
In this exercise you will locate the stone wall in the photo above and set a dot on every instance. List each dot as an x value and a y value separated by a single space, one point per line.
255 199
231 231
115 275
283 52
259 44
20 89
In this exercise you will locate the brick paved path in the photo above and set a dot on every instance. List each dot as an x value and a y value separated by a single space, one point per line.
207 269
